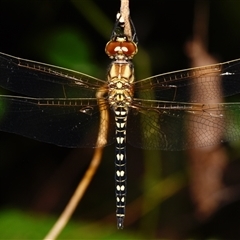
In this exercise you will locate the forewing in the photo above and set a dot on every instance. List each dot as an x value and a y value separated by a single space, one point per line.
63 122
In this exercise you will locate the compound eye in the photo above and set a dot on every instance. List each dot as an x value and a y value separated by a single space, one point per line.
118 47
129 48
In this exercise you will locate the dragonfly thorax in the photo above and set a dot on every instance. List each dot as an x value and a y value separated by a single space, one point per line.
120 79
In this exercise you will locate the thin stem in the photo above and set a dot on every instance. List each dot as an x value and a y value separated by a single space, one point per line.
125 13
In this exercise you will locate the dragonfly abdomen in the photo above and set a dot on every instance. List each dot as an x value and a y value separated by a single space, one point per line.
120 163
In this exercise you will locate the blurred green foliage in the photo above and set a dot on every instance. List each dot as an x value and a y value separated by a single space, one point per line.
15 224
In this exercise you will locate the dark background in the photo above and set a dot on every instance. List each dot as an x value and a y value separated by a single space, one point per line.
39 178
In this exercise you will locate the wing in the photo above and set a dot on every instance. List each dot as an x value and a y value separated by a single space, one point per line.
42 80
177 126
176 86
63 122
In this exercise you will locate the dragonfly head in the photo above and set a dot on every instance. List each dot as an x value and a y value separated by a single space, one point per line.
121 48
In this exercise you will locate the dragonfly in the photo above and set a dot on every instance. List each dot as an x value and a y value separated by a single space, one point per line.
72 109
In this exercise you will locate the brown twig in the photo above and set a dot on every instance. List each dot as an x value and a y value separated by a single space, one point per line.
78 194
125 13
